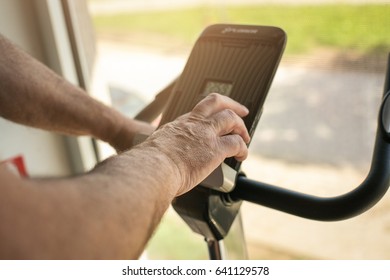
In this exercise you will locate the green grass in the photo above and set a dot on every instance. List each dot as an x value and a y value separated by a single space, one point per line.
364 28
174 240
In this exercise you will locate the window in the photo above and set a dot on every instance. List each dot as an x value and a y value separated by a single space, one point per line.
317 130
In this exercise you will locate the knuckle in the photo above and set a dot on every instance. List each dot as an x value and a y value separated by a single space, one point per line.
233 120
214 97
211 100
234 140
230 114
236 147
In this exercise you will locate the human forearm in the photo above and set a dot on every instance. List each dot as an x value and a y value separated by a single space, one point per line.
108 213
32 94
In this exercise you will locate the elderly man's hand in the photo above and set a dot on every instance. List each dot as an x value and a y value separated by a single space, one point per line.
199 141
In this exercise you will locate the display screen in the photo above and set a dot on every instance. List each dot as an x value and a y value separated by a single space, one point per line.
223 88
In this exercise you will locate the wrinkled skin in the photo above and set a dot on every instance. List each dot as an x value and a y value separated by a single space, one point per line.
199 141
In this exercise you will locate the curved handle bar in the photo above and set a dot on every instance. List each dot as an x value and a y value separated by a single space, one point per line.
336 208
322 208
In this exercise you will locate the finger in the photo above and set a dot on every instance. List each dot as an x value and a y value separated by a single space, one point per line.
215 102
228 122
234 146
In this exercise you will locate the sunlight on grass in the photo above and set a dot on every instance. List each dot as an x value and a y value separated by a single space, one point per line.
364 28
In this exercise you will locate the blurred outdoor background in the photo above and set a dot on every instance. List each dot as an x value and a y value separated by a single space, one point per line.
317 130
